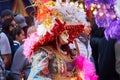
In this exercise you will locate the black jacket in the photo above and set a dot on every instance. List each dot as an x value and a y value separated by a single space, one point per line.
104 55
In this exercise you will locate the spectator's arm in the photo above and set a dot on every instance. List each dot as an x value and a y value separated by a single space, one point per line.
17 64
7 60
5 50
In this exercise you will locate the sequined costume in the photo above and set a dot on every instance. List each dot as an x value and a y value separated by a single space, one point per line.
53 65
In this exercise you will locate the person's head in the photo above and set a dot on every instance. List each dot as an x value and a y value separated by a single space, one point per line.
52 27
18 34
6 14
8 25
87 28
20 20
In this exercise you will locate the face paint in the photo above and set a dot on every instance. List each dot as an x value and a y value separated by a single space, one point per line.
64 37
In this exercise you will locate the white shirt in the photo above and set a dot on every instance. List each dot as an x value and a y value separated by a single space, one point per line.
84 51
4 44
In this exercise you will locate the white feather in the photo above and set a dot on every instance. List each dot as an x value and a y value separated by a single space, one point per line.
72 13
41 29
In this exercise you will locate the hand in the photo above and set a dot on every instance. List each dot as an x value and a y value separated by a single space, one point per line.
22 75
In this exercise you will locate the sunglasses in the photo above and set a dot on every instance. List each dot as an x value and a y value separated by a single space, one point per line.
13 25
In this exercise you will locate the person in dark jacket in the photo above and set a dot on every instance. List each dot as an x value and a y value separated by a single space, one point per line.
104 54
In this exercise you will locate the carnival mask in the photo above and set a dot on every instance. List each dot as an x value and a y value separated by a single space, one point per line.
64 37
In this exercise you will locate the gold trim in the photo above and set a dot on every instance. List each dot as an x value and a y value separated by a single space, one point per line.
62 77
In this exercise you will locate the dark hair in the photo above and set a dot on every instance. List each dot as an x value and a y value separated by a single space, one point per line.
16 31
6 24
6 12
29 20
5 28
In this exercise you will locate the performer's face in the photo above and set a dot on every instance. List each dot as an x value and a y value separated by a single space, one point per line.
64 37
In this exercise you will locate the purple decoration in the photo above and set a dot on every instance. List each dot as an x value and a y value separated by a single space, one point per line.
108 30
105 2
89 2
113 31
104 17
116 30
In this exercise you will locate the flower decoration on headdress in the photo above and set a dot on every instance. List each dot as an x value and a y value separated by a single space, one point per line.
51 23
43 36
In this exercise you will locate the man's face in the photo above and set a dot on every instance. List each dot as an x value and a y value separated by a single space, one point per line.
87 29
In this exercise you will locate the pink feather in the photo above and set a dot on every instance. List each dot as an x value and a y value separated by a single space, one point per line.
86 67
28 44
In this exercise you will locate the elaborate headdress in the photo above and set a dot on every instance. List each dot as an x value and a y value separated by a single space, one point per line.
53 20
